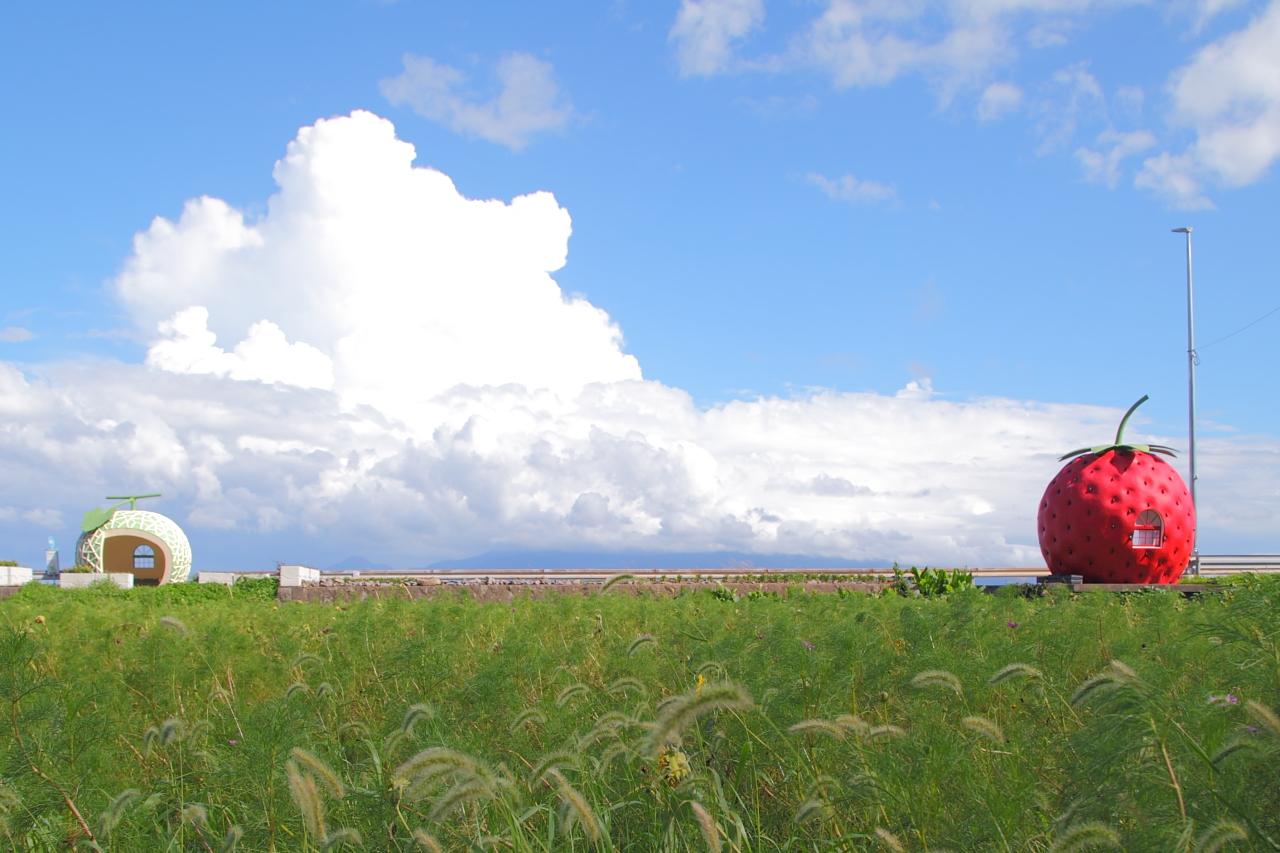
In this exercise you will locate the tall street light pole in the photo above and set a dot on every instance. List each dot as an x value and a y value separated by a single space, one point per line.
1191 399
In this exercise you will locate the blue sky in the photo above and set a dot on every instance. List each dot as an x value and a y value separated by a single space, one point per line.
773 202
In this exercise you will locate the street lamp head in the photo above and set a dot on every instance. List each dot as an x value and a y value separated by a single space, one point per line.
1185 230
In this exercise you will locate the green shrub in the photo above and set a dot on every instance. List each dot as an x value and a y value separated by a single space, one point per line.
8 563
930 583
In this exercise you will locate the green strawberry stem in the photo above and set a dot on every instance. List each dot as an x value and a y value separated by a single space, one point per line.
1119 442
1125 420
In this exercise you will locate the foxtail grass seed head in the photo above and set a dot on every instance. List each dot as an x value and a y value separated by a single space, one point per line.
818 727
573 691
393 741
194 814
296 689
612 754
1091 835
1267 719
889 841
323 772
712 669
853 724
1014 671
985 727
107 821
468 790
937 678
639 643
175 624
623 686
428 768
552 761
887 731
578 808
306 659
302 788
1231 747
528 717
231 839
811 809
420 711
340 838
677 715
171 731
427 841
325 690
1218 836
353 730
707 825
1123 670
1103 682
615 580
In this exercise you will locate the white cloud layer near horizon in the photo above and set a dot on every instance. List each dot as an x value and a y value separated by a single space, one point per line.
379 359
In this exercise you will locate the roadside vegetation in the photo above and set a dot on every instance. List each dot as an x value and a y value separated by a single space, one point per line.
202 718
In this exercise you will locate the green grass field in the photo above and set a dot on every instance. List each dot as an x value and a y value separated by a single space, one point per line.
196 719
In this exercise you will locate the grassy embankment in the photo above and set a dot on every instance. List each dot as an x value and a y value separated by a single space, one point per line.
188 719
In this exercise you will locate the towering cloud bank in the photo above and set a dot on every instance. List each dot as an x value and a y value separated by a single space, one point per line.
377 357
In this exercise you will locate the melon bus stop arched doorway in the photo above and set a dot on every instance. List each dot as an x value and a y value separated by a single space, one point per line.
146 557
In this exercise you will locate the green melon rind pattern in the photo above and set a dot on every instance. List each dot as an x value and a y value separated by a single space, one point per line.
89 548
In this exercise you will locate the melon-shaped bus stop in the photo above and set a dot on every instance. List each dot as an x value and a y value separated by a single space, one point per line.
148 545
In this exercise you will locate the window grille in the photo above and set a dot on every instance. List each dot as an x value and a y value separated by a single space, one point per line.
1149 531
144 557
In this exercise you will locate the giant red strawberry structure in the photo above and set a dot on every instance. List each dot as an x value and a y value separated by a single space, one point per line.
1118 513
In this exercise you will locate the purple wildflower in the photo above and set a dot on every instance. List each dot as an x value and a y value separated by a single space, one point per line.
1012 624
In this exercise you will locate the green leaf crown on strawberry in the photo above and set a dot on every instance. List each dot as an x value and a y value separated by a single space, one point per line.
1117 513
1119 442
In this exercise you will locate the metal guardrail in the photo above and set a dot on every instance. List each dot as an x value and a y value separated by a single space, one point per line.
1226 564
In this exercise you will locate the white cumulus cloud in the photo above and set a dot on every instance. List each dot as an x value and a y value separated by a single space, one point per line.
1229 97
848 188
15 334
187 346
998 100
1102 164
529 101
705 31
391 285
380 363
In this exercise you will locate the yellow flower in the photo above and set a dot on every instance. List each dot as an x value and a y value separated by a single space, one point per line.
673 765
697 685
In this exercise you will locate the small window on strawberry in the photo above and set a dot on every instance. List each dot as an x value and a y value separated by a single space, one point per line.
1149 531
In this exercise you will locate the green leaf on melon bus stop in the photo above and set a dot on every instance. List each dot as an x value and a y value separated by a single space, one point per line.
95 518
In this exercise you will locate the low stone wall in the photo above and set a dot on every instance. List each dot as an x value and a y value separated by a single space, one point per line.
356 591
15 575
